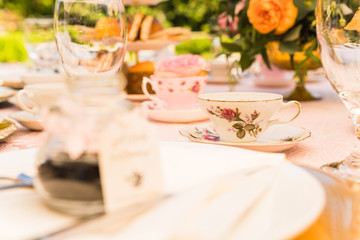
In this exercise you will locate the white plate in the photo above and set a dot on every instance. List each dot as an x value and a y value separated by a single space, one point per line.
12 82
296 202
28 120
173 116
6 93
276 138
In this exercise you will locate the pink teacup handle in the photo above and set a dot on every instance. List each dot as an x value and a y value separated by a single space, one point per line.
19 101
155 87
286 105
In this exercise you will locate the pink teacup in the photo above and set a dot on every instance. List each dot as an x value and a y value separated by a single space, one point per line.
175 93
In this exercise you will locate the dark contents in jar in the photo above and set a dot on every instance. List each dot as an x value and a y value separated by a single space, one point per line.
69 179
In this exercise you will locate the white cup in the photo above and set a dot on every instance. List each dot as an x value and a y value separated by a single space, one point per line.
35 96
243 116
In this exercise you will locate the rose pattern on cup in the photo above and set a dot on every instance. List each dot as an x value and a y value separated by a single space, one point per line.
243 126
196 88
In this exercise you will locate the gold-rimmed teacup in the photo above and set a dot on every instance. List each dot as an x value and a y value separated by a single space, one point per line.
243 116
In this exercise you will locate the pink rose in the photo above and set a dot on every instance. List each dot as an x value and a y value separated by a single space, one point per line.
226 21
196 87
210 138
228 114
186 65
222 20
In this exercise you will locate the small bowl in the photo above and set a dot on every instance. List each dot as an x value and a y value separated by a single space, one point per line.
29 120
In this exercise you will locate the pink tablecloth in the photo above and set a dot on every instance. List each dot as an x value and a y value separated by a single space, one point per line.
332 131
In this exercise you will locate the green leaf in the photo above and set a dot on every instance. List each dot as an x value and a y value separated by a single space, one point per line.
247 58
293 34
242 42
305 7
289 47
249 127
232 47
265 58
237 126
241 133
315 59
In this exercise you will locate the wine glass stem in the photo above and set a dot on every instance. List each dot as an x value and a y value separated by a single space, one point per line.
351 165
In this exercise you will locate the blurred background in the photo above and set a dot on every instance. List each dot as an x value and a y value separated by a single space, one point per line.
168 13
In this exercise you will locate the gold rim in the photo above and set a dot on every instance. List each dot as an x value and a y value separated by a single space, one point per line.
280 97
4 133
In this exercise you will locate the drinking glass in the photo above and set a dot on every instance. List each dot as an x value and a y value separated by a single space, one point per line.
338 31
91 41
40 43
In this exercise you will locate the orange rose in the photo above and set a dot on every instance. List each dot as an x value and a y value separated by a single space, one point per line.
270 15
107 27
354 24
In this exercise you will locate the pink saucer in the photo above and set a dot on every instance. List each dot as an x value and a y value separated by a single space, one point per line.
157 113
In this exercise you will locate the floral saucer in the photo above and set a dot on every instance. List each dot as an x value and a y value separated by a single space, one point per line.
276 138
157 113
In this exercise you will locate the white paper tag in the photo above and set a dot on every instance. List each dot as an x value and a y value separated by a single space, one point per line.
129 163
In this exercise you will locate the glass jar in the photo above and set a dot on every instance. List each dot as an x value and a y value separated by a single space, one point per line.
98 157
68 176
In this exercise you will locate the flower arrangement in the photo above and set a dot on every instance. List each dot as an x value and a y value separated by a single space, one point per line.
252 25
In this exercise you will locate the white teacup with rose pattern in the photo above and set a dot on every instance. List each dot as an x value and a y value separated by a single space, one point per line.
243 116
177 81
175 93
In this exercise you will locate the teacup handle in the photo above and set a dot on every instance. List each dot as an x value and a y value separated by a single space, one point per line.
23 106
154 86
286 105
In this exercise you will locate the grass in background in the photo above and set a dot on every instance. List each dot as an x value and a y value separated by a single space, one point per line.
12 47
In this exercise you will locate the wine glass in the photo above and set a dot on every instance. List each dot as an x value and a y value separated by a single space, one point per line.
40 43
338 31
91 41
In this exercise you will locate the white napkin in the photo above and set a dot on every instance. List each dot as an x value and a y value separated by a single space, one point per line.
209 211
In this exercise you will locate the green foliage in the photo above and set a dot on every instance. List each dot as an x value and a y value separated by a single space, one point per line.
29 8
200 47
194 14
250 43
12 47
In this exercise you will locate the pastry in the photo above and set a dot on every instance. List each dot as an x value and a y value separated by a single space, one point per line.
173 34
135 26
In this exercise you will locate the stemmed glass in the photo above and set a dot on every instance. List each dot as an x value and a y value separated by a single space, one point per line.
40 43
91 41
338 31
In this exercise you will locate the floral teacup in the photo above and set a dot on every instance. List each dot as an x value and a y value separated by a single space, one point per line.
175 93
243 116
